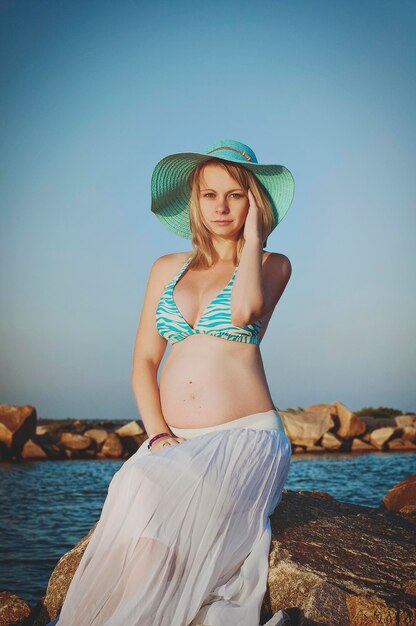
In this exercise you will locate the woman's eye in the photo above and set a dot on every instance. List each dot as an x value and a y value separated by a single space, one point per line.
209 194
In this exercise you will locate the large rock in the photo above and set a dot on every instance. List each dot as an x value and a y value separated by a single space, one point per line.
381 436
13 609
405 420
76 442
401 445
361 446
306 427
32 450
401 495
98 434
338 564
112 446
331 442
331 563
347 424
21 422
6 436
409 433
129 430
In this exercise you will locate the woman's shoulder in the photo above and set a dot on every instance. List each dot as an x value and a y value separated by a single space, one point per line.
167 260
164 268
169 263
277 268
276 259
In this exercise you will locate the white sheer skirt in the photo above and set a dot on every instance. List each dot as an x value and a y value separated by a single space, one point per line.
184 534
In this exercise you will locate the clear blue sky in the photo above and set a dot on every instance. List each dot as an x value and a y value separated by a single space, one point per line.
94 93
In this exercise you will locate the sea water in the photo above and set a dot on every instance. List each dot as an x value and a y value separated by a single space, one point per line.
48 506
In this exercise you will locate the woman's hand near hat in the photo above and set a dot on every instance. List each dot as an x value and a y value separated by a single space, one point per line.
253 224
164 442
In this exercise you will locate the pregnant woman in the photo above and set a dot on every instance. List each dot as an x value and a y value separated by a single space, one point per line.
184 533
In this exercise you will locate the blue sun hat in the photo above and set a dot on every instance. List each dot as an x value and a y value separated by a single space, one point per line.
171 192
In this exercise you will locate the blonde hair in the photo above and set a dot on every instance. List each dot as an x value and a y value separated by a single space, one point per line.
203 249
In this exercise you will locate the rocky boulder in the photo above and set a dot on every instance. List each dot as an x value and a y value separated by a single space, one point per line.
380 436
130 429
331 442
76 442
306 427
338 564
408 433
18 425
31 450
330 426
347 424
401 445
112 447
405 420
358 445
402 497
98 434
14 611
6 436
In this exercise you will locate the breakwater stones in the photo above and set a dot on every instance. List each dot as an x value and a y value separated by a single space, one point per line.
319 428
23 436
334 428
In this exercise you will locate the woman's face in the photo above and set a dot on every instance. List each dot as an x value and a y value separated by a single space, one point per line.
224 204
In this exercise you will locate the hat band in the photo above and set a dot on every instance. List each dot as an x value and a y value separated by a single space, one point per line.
245 155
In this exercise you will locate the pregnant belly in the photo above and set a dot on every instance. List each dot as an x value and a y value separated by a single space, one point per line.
208 383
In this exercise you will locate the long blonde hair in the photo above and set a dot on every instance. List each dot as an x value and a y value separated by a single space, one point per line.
203 249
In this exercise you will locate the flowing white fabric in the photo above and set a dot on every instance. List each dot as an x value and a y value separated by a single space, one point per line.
184 535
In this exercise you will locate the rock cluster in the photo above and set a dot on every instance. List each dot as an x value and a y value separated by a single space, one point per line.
21 437
330 564
334 428
313 429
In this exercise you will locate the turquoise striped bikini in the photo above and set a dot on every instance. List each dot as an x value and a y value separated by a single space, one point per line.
215 320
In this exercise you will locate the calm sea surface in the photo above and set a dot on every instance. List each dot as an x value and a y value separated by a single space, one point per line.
48 506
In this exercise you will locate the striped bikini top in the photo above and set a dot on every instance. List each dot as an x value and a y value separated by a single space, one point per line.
215 320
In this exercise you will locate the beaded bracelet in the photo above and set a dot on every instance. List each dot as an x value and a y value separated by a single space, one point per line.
157 437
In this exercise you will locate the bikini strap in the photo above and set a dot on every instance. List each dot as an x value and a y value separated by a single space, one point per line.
181 271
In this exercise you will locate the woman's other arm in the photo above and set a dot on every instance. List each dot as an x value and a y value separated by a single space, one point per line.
258 285
149 348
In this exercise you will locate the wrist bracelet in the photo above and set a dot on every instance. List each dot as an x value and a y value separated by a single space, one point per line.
149 445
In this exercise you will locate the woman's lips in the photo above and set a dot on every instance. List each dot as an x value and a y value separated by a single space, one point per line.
222 221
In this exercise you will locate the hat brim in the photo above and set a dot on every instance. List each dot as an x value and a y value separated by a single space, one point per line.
171 193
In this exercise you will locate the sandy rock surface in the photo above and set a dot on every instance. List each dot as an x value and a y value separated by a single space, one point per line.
13 609
341 564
